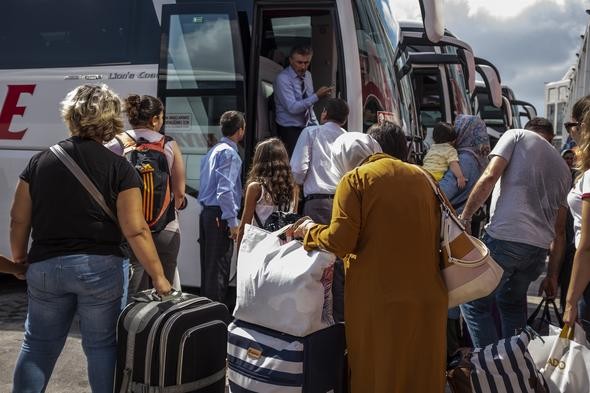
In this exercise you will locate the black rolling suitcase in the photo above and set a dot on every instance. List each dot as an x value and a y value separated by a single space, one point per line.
175 344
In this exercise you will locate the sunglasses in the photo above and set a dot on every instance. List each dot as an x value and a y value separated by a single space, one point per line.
569 125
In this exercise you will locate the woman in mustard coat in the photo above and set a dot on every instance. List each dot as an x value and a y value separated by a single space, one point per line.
386 224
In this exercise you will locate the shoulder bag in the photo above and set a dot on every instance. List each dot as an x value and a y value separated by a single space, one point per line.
468 269
79 174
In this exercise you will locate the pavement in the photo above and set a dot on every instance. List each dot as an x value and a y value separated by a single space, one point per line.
69 375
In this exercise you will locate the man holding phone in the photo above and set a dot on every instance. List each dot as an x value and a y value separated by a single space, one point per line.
294 97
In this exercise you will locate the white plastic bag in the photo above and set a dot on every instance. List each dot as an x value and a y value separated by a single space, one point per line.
567 369
282 286
540 347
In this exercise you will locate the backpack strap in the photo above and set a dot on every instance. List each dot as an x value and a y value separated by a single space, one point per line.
126 141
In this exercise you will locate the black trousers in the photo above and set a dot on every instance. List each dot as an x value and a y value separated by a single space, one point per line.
167 245
320 211
289 136
216 252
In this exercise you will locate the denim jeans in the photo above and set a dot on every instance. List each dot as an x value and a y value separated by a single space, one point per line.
522 264
58 288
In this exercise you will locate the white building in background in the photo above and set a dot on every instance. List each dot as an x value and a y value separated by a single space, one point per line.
578 78
556 99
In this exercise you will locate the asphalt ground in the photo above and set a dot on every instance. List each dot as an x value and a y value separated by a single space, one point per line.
69 375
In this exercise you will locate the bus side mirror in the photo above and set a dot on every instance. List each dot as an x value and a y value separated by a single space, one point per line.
492 82
433 19
469 60
508 112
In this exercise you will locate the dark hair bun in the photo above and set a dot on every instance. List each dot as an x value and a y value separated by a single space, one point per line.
132 104
140 109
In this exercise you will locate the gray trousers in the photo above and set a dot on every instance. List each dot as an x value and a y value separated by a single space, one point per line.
320 211
167 245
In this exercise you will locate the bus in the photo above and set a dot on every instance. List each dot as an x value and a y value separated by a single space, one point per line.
201 58
513 113
435 78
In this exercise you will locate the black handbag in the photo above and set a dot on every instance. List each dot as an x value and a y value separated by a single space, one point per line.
540 322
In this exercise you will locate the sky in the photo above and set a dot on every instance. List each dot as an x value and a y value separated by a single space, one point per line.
530 41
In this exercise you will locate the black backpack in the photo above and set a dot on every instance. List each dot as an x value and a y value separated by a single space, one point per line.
149 159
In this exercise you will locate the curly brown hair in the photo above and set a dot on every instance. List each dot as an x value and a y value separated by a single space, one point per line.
271 168
92 112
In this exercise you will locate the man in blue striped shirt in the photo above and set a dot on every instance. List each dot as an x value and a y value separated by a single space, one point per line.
220 193
294 97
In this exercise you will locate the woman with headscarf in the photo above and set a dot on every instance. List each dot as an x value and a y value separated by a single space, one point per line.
473 146
386 225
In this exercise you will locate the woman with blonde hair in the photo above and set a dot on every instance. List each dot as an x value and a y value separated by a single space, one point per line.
75 260
579 203
270 185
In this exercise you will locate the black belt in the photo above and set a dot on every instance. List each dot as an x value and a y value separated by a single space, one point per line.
318 196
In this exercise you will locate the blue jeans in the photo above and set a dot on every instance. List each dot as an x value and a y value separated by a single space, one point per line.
58 288
522 264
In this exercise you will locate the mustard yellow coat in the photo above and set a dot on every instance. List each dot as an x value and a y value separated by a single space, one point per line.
387 221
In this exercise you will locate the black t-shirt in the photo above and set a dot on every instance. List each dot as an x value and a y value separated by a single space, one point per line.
65 218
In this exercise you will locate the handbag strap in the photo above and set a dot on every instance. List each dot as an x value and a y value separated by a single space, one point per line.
79 174
447 214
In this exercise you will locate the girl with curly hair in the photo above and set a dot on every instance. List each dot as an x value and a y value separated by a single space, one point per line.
270 185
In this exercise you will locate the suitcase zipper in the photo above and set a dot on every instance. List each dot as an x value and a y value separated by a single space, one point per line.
165 333
185 337
154 328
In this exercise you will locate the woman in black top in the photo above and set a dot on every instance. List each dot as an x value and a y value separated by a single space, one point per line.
75 259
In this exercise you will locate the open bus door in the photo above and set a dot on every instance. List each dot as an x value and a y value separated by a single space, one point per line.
201 75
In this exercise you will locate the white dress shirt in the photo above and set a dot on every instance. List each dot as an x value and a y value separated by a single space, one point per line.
311 159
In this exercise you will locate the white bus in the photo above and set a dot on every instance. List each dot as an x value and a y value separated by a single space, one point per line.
201 58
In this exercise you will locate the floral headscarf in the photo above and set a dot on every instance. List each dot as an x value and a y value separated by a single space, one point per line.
472 136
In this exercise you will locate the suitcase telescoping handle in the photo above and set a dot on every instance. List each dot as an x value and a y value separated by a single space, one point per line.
151 295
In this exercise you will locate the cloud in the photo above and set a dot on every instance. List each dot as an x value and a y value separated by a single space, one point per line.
535 45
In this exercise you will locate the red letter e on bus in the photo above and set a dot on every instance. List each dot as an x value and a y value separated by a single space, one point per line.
11 109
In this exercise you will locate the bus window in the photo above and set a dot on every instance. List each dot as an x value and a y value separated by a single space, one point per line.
379 87
71 33
458 87
201 76
427 88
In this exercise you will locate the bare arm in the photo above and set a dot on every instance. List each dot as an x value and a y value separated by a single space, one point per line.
556 255
484 186
20 222
178 177
456 169
581 268
253 192
295 204
138 234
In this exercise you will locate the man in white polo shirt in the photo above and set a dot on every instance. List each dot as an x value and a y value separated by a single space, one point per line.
311 165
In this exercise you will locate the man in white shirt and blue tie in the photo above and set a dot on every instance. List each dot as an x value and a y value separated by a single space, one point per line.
294 97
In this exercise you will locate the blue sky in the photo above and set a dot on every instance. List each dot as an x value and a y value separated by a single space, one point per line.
530 41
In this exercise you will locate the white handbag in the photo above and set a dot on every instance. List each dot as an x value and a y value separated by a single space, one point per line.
469 271
282 286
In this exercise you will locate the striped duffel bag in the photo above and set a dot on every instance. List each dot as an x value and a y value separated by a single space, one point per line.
263 360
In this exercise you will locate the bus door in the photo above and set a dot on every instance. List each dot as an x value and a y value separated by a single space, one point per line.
201 75
277 27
